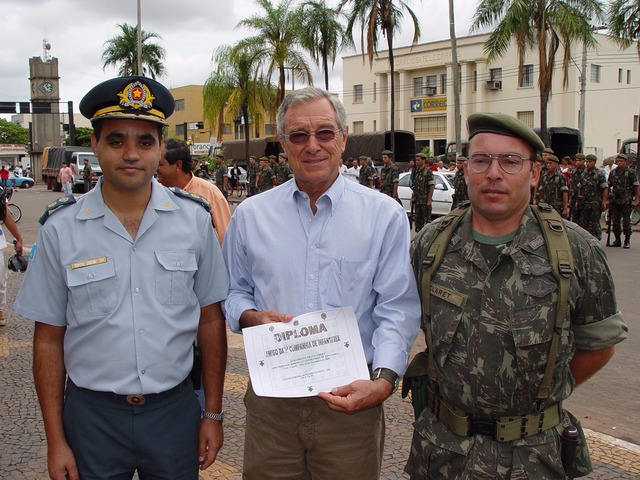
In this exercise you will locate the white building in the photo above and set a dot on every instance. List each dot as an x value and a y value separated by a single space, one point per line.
424 93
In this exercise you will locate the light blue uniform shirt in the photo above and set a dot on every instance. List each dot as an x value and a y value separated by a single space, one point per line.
131 308
353 252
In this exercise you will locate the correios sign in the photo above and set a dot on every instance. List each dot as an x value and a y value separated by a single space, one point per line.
200 148
428 104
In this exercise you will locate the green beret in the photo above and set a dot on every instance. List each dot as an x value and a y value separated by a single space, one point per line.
548 150
580 156
461 159
592 157
622 156
553 158
387 152
421 155
138 98
282 154
263 159
503 125
362 157
219 155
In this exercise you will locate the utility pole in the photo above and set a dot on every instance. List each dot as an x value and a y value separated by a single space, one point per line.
139 39
583 91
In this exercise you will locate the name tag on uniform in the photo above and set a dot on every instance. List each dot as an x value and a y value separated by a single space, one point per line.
447 295
88 263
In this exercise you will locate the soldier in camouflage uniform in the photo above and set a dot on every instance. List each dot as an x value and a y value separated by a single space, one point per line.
266 179
221 175
366 173
553 188
423 185
460 194
389 176
493 303
592 197
624 192
252 174
284 172
574 181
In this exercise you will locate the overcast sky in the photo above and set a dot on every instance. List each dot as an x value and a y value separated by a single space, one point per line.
190 31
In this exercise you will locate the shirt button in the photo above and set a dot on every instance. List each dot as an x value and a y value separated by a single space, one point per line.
137 290
311 305
90 276
312 276
178 264
141 331
143 372
134 249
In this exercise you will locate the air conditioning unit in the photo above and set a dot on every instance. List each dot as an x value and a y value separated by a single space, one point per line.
431 91
494 85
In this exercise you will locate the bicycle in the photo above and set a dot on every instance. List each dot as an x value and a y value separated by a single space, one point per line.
15 212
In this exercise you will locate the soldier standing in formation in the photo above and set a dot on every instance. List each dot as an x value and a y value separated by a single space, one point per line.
221 175
389 176
266 178
593 197
553 188
423 185
366 172
624 194
252 174
574 181
460 194
284 172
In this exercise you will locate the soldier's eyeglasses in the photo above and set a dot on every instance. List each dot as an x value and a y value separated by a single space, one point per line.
509 162
322 136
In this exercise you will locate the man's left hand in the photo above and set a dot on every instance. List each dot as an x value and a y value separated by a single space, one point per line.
211 438
357 396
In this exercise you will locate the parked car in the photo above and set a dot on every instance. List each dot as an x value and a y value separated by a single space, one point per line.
24 182
442 194
243 175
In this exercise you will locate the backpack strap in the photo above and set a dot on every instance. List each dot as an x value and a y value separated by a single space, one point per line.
561 259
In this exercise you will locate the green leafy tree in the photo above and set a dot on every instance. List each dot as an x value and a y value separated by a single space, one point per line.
235 87
121 51
542 25
276 43
323 35
375 17
82 137
13 133
624 28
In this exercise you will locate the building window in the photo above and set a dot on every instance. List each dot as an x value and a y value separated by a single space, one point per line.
180 130
433 124
620 75
475 81
417 86
443 84
628 77
179 104
357 93
526 76
270 129
635 123
595 73
495 74
375 92
526 118
358 127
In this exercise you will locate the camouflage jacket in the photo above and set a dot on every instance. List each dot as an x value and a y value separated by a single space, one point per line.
388 176
591 186
551 188
265 179
422 181
365 175
574 181
460 193
492 326
622 182
283 174
219 173
252 172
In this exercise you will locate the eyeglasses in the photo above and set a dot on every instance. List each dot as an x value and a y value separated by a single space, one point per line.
509 162
322 136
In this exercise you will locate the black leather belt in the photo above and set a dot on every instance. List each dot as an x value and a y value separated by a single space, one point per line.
136 399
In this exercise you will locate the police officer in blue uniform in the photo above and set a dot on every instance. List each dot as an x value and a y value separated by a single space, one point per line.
121 282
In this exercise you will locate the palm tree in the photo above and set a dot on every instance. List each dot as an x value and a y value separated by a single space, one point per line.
545 25
122 50
624 28
233 87
323 36
456 76
384 16
278 34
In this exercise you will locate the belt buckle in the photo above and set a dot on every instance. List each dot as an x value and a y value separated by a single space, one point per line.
482 427
135 399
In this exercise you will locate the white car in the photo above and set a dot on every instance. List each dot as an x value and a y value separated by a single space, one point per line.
442 194
243 175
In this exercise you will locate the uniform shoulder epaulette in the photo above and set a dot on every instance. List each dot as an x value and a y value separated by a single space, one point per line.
191 196
55 206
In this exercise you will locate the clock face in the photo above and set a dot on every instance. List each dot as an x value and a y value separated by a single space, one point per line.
47 87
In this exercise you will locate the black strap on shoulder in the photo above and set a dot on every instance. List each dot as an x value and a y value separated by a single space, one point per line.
55 206
191 196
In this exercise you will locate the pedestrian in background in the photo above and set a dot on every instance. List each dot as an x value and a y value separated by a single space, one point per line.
65 177
593 197
10 223
624 194
86 175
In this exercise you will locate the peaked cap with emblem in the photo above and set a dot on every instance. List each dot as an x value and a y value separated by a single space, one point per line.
387 152
134 97
502 124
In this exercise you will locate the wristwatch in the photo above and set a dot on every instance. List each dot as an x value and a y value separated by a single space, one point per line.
218 417
388 375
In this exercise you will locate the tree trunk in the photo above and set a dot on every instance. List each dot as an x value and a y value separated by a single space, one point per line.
455 80
389 34
247 140
325 66
544 129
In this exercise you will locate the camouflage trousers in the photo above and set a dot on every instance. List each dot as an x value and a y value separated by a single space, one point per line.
590 219
421 215
620 214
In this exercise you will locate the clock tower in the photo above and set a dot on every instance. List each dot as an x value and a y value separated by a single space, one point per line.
45 98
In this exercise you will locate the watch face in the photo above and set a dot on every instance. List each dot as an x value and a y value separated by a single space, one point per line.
47 87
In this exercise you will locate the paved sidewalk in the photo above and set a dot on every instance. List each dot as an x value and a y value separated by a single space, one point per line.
22 440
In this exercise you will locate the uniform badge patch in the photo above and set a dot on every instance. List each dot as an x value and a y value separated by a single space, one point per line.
447 295
539 288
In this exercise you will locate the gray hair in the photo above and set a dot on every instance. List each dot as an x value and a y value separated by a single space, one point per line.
306 95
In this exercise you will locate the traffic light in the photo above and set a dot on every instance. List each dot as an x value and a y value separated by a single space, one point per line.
25 107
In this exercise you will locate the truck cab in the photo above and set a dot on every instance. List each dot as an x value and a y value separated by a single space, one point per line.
77 165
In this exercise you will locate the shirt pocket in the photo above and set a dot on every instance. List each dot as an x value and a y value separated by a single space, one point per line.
175 273
93 289
348 281
532 332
